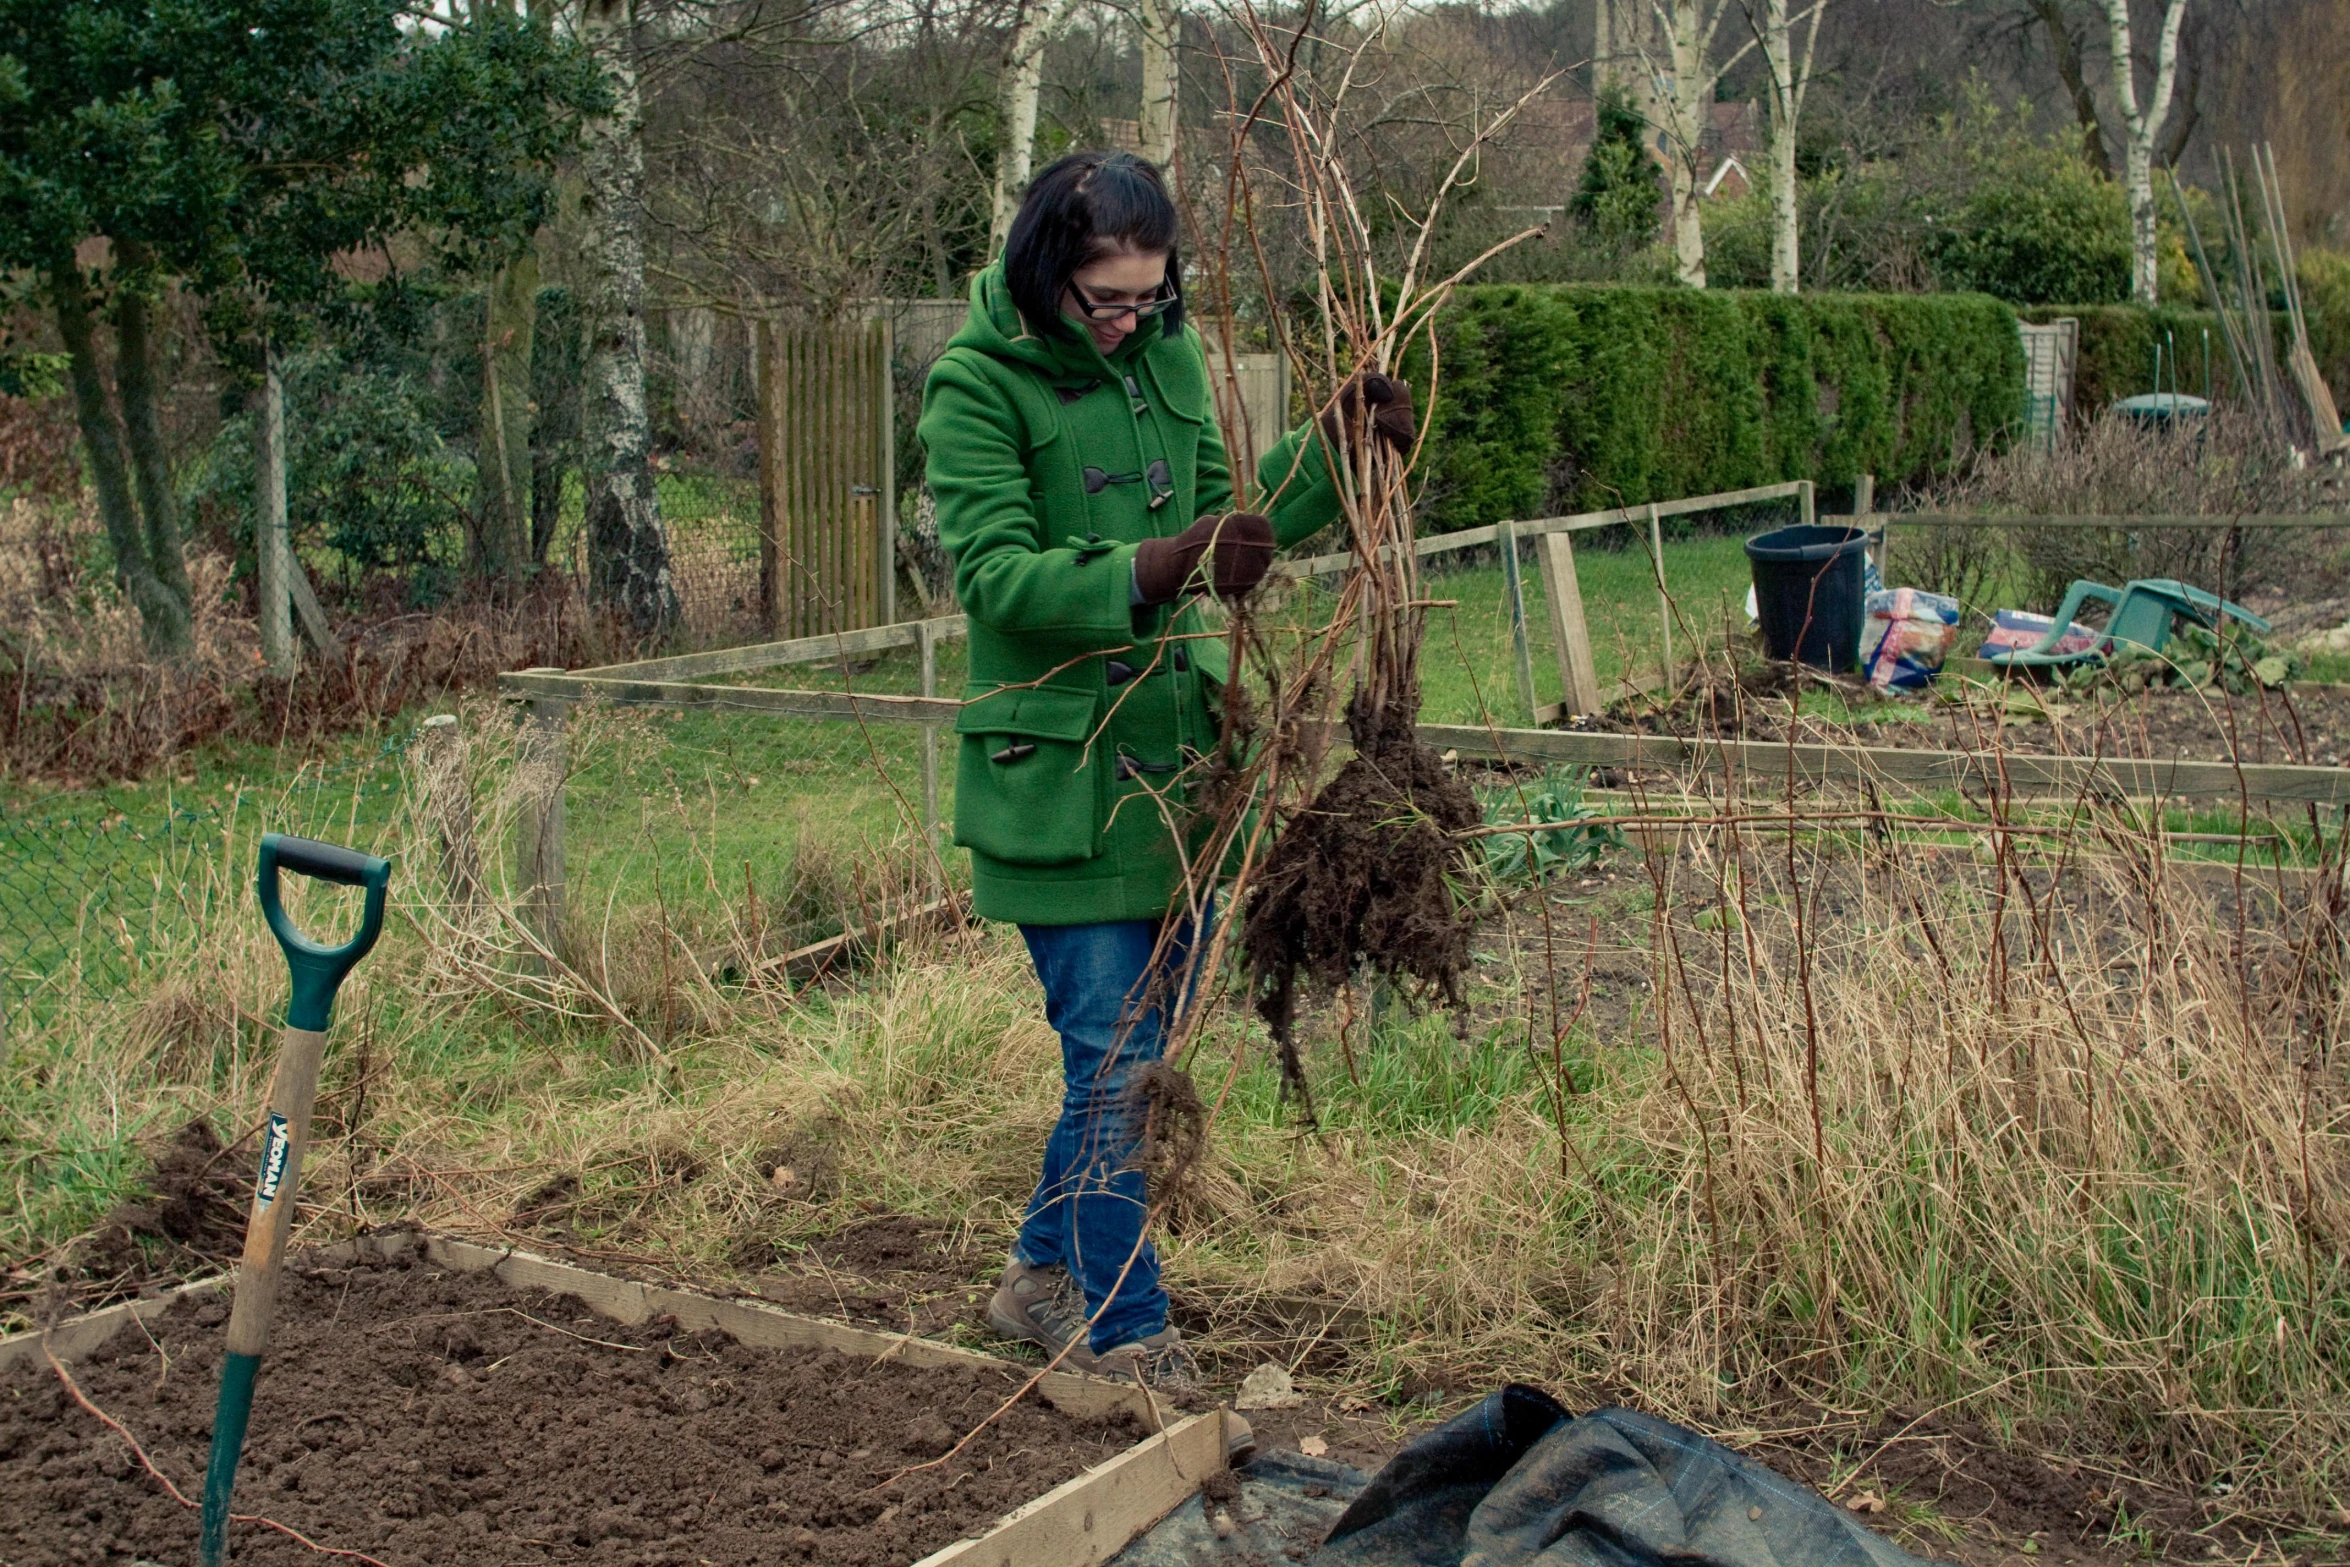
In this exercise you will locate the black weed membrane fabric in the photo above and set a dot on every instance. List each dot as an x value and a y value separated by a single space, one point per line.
1517 1482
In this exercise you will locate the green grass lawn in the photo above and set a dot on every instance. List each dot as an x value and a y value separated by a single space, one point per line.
1466 664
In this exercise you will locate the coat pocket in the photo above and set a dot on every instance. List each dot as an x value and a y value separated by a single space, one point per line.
1032 779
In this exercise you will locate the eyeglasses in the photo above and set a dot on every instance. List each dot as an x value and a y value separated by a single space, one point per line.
1158 304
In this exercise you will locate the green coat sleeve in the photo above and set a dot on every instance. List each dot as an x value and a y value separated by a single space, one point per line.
1296 474
1304 501
1008 571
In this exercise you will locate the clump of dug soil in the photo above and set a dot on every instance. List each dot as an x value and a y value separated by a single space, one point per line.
443 1418
1365 877
186 1216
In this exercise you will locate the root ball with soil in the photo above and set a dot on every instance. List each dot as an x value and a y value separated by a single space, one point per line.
1368 875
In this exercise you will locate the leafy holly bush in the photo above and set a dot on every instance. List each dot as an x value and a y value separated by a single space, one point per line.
2036 224
371 486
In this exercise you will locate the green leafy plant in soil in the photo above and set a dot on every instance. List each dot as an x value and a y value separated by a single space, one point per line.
1537 856
2198 659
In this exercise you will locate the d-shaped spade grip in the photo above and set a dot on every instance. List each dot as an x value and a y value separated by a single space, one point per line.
317 971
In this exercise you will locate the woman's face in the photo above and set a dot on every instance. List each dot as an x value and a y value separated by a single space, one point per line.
1123 277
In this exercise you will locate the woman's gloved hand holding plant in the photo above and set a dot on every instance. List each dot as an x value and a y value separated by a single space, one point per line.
1392 417
1237 545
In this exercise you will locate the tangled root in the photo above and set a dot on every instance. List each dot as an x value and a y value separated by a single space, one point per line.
1365 877
1174 1130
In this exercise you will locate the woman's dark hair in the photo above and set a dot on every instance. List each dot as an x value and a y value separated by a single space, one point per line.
1080 209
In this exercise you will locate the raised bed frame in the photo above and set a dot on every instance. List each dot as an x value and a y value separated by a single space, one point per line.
1081 1522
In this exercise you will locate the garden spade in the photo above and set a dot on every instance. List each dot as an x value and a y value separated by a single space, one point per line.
317 972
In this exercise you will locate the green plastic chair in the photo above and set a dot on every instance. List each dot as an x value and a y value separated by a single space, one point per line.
2141 617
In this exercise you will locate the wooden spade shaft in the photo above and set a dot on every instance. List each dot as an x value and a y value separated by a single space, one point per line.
293 1092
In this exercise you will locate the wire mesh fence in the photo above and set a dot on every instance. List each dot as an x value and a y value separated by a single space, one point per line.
702 827
97 887
711 510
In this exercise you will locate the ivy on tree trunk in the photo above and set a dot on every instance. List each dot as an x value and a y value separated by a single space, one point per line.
147 558
509 327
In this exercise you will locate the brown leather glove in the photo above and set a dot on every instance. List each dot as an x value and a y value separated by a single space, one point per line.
1242 546
1393 418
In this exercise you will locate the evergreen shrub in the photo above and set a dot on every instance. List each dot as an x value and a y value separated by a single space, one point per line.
1570 397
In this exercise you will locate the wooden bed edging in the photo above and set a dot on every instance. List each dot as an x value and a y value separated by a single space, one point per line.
1094 1516
1083 1521
618 1300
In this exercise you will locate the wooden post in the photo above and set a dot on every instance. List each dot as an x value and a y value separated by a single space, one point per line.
886 544
306 605
1506 532
928 642
541 765
1864 501
1805 499
1664 603
1568 632
448 799
272 549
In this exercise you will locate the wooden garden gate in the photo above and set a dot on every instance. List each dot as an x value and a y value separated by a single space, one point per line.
827 477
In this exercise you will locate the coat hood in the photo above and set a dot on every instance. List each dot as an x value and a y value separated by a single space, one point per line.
995 327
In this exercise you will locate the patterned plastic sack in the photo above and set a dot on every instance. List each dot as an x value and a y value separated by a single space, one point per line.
2021 628
1907 637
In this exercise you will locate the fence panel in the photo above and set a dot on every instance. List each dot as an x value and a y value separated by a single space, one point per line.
2050 353
827 456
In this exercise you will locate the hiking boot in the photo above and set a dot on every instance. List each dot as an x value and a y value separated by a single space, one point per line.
1160 1362
1039 1306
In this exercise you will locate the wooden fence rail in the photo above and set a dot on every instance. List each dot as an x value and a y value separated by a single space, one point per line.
1761 759
2126 521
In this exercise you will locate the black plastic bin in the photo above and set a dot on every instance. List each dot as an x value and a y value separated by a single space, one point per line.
1807 593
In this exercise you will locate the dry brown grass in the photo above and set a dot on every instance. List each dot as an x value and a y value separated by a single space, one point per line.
80 701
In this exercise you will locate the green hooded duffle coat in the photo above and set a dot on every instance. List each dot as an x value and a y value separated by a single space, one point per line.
1086 719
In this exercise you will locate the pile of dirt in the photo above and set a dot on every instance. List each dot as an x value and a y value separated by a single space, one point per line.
1365 876
437 1418
186 1217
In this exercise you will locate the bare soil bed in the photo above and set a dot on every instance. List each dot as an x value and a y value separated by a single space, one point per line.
424 1416
2302 725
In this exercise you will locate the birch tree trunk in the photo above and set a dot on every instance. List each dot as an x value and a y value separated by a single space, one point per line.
1684 101
1790 77
1023 80
2139 128
1160 26
628 549
273 563
1603 46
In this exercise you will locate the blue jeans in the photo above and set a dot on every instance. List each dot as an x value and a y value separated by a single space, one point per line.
1089 1206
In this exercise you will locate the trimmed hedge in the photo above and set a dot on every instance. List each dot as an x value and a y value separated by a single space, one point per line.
1575 397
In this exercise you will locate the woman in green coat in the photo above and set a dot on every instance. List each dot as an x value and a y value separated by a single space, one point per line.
1085 496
